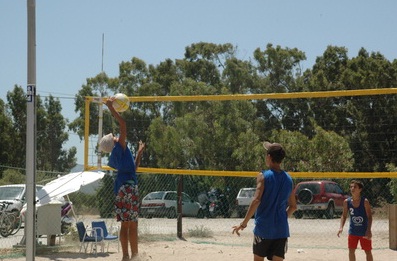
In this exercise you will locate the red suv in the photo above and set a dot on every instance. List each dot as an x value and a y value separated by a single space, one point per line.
319 197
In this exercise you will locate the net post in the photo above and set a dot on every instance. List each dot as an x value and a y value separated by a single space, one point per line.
393 226
100 124
86 130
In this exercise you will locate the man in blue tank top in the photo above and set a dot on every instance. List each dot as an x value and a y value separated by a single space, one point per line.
359 210
272 204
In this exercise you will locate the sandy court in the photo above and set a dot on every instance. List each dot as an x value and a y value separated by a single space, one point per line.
178 250
310 240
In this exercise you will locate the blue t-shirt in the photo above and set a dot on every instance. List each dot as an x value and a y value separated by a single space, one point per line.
271 220
358 218
124 163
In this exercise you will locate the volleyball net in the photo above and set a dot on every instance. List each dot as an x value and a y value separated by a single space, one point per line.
328 100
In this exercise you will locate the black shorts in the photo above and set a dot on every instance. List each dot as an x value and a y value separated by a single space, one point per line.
270 247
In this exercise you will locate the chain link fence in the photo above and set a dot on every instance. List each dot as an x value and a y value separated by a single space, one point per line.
209 209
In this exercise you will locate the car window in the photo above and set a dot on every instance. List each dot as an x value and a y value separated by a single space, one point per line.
329 188
154 196
313 187
10 193
338 189
247 193
186 198
170 196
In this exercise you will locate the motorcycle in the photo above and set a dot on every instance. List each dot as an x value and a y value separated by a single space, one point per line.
219 205
204 205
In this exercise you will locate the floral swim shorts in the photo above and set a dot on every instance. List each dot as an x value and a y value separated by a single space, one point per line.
127 203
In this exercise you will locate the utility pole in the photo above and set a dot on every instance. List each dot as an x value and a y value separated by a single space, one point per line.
30 218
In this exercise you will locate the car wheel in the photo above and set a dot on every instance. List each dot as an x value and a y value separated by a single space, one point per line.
330 212
305 196
171 213
298 214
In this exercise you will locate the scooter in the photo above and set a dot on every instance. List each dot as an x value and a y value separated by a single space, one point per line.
219 206
204 202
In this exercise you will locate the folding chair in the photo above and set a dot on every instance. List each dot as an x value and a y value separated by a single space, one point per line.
106 236
95 237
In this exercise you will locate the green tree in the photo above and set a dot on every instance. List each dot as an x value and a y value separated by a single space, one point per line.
12 176
51 138
6 140
50 133
16 101
279 69
326 134
371 135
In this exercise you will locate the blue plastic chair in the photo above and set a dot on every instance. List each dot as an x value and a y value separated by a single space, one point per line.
87 236
101 225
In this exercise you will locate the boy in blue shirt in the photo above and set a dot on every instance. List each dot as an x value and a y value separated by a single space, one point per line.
360 214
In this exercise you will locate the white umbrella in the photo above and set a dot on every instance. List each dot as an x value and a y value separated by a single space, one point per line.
67 184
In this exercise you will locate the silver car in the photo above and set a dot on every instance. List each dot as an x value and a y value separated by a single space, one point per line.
15 194
164 204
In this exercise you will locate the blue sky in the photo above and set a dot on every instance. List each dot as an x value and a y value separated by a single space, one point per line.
69 35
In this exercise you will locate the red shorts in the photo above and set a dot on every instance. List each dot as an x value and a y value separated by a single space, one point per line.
366 244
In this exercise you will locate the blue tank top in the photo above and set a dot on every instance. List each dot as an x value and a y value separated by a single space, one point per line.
271 220
124 163
358 218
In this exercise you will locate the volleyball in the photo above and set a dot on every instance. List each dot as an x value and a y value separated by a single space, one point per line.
121 102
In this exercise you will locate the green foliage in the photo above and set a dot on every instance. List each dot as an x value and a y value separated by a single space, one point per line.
393 183
12 176
50 135
83 204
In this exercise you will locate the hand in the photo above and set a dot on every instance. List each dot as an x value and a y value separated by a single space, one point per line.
109 101
238 228
368 235
141 146
340 232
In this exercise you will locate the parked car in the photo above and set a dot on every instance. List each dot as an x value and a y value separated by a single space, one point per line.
319 197
164 204
15 193
243 200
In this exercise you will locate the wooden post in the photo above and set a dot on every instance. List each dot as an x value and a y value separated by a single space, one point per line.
51 240
179 207
393 226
